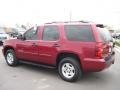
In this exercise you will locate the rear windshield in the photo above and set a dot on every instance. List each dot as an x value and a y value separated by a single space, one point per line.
79 33
105 34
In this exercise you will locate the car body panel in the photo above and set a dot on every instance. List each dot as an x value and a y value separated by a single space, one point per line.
46 52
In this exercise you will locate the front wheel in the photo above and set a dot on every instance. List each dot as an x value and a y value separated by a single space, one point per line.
69 69
11 58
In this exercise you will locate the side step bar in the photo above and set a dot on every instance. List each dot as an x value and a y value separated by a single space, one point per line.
39 65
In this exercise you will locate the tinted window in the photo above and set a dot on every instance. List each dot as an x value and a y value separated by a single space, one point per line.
51 33
105 34
79 33
31 34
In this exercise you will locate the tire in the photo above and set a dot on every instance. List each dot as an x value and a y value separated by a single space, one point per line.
69 69
11 58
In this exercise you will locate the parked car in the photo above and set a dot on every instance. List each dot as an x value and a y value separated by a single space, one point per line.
3 36
21 31
73 48
116 35
17 32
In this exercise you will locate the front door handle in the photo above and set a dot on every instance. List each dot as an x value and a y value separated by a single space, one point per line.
56 45
34 44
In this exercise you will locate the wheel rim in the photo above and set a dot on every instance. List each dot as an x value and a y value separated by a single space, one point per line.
68 70
10 58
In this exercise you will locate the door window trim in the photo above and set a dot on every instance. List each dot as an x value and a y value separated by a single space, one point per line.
37 31
51 40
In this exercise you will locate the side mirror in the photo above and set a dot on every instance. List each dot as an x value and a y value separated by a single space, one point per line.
20 37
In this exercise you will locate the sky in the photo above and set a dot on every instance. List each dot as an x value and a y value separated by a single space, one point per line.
41 11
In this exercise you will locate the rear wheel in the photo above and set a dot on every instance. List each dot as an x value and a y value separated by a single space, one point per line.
11 58
69 69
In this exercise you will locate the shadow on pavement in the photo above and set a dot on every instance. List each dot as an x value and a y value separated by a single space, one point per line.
91 78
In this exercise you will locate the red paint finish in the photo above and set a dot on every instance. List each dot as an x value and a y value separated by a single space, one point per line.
46 52
26 50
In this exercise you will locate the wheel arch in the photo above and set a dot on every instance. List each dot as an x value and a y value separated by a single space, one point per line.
8 47
62 55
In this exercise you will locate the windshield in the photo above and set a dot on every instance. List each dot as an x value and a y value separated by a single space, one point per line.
105 34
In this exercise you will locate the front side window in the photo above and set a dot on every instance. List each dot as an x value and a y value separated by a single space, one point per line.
31 34
79 33
51 33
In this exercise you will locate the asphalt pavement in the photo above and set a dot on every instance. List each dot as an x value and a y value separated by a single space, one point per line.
28 77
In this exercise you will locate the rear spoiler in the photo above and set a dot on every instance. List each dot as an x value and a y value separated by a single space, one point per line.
100 25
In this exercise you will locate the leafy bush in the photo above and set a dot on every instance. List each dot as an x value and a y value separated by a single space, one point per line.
117 43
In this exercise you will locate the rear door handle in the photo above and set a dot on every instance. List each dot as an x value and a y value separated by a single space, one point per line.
56 45
34 44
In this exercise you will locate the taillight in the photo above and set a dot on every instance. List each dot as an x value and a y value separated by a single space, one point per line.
110 46
102 50
99 50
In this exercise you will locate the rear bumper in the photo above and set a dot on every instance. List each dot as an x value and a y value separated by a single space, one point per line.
95 65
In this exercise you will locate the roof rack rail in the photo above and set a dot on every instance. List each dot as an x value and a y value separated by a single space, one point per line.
82 21
53 22
77 21
48 23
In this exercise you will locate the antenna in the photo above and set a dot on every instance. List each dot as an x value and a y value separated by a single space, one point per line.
70 16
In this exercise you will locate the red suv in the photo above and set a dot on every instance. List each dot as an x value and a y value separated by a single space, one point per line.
72 47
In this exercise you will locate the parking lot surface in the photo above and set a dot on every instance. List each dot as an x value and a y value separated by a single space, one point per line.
29 77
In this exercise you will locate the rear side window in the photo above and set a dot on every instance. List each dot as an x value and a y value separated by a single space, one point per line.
51 33
105 34
79 33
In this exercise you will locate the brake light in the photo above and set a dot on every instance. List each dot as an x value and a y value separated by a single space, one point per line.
102 50
99 50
